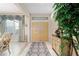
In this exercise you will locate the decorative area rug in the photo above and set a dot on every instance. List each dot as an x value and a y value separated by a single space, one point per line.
38 49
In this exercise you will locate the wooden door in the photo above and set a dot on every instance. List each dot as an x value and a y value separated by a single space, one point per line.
39 31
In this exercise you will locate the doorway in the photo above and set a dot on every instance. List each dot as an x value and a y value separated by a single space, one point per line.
39 31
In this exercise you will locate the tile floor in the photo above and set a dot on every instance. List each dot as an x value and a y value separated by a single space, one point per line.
22 48
38 49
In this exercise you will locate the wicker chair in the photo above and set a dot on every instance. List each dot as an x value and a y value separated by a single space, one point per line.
4 42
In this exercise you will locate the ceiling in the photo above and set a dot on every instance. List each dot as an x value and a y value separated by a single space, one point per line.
33 8
9 8
38 8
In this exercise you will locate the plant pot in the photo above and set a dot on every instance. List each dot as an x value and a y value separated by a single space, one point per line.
66 49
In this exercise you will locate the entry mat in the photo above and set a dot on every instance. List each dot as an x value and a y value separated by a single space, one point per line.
38 49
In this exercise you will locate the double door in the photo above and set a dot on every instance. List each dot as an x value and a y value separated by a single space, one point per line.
39 31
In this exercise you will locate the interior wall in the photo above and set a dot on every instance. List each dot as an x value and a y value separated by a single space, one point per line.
52 27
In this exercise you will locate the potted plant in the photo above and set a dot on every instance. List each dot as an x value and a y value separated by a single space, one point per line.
67 16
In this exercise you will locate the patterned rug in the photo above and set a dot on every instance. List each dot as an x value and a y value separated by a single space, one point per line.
38 49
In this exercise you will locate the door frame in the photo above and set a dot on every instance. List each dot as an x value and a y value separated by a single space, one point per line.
38 21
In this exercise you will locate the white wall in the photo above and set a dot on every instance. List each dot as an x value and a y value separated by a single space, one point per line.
52 27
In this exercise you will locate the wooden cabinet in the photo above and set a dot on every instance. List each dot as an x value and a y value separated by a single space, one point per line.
56 43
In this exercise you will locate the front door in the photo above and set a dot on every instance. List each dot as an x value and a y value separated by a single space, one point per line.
39 31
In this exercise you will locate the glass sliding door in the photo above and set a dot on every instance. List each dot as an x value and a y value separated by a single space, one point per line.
16 33
12 26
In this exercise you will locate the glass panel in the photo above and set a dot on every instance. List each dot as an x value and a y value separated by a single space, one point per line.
12 26
10 23
39 18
